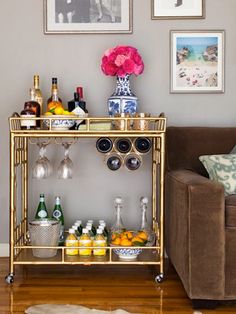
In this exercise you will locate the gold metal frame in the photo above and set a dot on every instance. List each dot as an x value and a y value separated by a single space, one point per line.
21 251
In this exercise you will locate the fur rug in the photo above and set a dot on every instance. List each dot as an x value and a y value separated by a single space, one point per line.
67 309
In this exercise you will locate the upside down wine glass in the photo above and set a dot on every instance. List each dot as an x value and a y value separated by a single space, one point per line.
42 168
65 169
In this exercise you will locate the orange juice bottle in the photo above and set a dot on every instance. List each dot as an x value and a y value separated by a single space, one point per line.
85 241
72 240
100 241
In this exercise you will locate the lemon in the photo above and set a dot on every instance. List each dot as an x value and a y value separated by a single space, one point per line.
66 112
59 111
48 113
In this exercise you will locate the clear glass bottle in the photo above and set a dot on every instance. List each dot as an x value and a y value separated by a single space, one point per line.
58 215
118 226
148 233
84 242
100 241
71 240
42 209
37 92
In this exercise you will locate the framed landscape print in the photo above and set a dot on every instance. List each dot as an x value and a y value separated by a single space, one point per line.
197 61
178 9
87 16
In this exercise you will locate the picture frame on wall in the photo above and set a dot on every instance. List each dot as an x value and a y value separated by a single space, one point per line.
197 61
178 9
87 16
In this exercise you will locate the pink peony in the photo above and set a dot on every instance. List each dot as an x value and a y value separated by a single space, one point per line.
122 60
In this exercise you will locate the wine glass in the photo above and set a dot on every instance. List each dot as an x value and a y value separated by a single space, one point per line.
42 168
65 169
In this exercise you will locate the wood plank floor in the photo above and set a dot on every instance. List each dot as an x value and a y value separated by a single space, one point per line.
131 288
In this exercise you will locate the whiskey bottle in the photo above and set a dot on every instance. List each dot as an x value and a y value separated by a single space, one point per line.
34 106
53 88
26 114
37 92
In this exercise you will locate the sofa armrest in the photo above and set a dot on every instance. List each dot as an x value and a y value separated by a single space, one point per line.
195 232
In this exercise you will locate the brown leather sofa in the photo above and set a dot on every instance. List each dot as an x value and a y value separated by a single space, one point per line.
200 222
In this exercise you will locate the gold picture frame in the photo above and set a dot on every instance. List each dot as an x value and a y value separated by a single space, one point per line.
177 9
88 17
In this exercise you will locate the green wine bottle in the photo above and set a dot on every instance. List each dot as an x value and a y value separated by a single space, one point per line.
42 210
58 215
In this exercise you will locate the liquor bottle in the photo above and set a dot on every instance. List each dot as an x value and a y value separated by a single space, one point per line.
27 112
55 102
72 240
100 241
34 106
142 145
104 145
84 242
118 226
37 92
58 214
114 161
54 86
133 161
82 102
144 226
42 210
123 145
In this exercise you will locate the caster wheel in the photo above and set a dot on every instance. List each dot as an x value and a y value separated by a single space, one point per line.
159 278
9 279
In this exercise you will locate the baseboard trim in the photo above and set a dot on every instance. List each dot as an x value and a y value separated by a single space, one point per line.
4 249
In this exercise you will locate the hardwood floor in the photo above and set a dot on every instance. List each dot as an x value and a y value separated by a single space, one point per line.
131 288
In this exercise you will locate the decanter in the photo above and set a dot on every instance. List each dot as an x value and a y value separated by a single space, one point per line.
145 227
118 226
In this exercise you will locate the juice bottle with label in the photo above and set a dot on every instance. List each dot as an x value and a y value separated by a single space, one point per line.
99 241
84 242
72 240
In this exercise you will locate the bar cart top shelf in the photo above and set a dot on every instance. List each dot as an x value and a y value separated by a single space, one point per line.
93 126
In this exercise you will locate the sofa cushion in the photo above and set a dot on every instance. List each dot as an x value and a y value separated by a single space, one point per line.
222 168
230 211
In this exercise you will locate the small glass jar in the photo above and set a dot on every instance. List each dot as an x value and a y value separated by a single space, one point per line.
141 124
121 123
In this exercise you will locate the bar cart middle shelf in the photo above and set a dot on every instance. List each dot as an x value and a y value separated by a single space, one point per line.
21 251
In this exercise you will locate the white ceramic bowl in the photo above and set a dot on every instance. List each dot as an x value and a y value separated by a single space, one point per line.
127 253
59 124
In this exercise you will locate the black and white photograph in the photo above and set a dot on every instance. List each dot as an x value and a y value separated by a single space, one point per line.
88 16
177 9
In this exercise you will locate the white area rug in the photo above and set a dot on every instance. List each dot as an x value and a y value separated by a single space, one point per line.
67 309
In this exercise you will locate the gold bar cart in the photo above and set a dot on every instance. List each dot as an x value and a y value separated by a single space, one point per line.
21 250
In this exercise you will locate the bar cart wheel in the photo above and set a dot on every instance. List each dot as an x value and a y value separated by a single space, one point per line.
9 278
159 278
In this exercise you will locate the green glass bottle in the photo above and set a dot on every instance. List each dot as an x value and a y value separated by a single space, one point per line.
42 210
58 215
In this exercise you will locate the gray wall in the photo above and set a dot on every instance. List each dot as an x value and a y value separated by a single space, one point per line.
75 60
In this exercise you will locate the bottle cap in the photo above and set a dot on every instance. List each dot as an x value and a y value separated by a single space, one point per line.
144 200
78 221
99 231
79 90
77 224
74 227
71 230
101 221
90 221
118 200
103 224
85 230
101 227
89 227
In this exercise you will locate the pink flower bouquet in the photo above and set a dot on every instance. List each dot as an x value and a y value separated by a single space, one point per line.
122 60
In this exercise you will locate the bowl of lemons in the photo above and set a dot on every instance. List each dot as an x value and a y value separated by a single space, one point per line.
129 243
59 118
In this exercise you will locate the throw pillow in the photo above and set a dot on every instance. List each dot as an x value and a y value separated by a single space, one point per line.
222 168
233 151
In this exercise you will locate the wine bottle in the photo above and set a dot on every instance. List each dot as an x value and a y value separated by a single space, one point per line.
38 97
82 102
142 145
133 161
114 161
58 215
104 144
42 209
53 88
123 145
27 112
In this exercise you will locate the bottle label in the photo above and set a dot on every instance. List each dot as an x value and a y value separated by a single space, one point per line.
57 214
42 213
28 122
72 243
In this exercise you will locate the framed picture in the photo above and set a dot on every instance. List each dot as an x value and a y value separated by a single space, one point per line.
87 16
197 61
178 9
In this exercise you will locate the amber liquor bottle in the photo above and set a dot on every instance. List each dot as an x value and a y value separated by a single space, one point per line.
53 88
34 106
26 114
